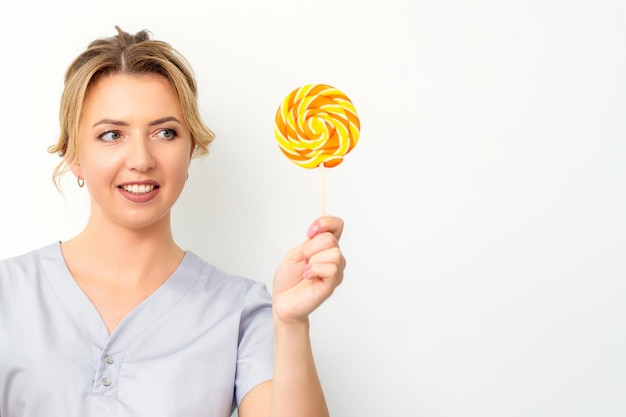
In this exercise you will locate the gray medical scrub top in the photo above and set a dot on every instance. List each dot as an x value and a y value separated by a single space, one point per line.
194 347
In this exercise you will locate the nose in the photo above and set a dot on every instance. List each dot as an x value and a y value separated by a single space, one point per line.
139 156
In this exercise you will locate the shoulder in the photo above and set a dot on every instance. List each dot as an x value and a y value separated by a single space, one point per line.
28 263
23 277
209 274
207 278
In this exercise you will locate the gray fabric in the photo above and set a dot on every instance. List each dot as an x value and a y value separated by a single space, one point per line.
194 347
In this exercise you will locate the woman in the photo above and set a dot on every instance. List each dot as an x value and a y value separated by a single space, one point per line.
119 320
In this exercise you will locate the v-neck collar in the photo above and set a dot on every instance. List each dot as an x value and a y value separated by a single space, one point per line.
162 300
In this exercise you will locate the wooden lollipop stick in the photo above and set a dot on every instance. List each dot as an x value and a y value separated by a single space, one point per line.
322 189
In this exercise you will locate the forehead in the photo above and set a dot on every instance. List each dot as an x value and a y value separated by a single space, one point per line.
123 96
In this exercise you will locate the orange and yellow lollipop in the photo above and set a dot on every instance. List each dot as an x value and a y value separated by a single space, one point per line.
316 125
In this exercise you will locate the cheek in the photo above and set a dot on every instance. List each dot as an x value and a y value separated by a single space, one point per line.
97 168
184 168
177 165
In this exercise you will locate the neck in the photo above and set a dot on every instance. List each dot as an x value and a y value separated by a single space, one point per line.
128 253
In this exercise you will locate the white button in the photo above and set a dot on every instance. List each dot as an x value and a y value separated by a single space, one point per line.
106 382
108 359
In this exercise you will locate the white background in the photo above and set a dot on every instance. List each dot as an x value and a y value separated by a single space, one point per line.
484 203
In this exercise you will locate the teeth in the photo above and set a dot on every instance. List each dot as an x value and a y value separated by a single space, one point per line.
138 188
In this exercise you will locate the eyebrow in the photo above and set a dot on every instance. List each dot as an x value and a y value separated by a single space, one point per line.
121 123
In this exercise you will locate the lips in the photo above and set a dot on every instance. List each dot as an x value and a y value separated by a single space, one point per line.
139 192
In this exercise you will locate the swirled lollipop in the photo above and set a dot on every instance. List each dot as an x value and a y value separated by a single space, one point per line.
316 125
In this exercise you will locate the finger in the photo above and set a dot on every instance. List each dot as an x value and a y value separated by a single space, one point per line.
330 274
319 243
325 263
325 224
328 256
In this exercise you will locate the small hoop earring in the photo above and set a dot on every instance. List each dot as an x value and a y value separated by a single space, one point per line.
80 181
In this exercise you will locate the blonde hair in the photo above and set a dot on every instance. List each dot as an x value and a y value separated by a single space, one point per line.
131 54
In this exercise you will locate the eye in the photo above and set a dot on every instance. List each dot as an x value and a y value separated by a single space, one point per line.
167 134
110 136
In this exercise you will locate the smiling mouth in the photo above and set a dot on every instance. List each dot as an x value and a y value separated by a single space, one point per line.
138 188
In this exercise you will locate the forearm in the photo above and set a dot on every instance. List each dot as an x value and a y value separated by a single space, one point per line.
296 388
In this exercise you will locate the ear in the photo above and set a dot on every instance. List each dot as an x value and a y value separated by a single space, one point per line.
76 169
